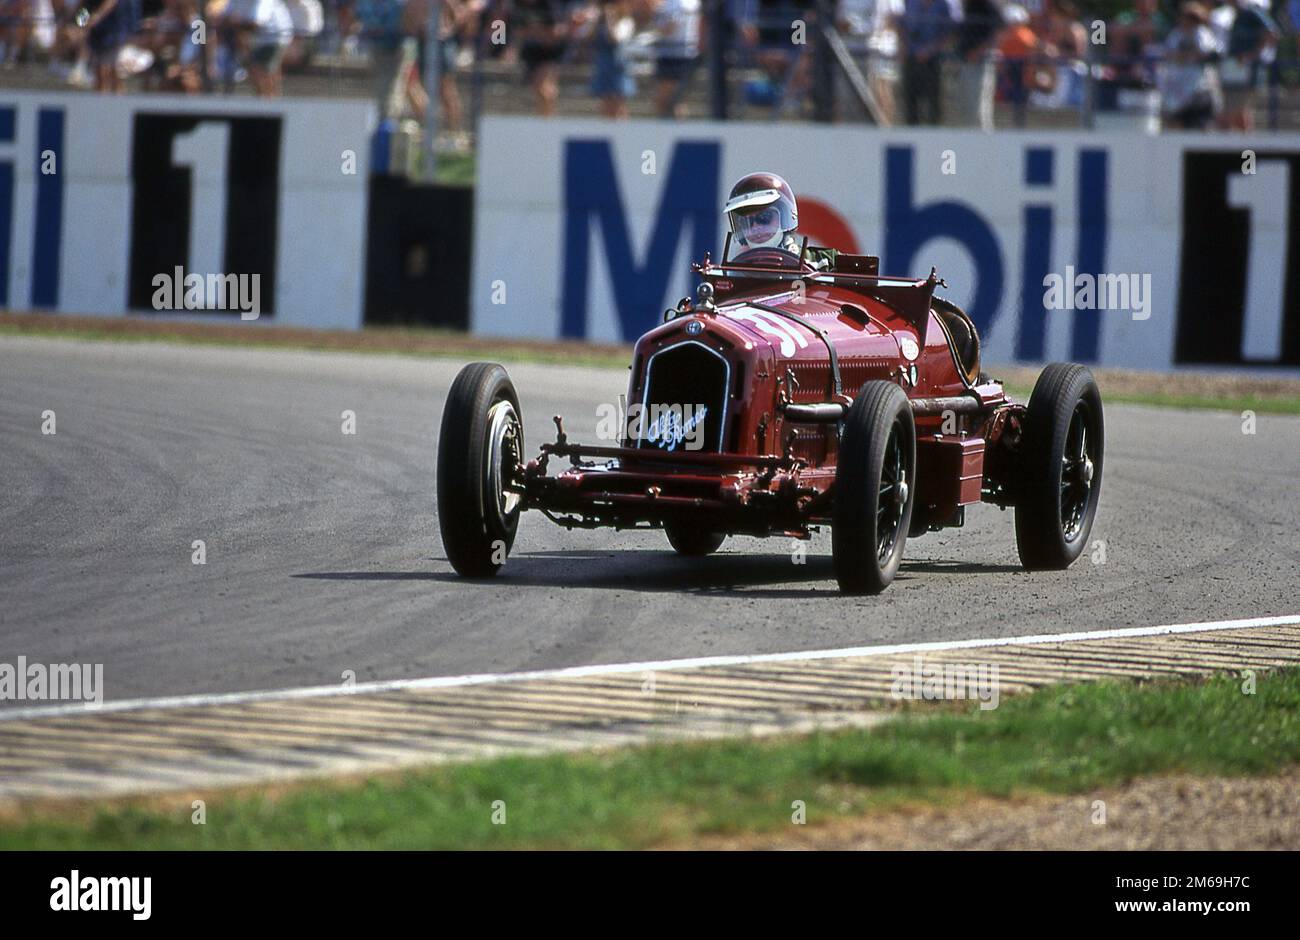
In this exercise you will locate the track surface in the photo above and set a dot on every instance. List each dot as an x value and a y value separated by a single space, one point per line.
323 552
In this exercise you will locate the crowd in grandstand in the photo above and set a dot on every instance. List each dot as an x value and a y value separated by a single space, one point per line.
923 61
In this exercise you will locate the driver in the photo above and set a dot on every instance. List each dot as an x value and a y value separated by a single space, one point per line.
762 213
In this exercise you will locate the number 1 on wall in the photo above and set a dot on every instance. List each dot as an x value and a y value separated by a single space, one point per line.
205 151
1266 194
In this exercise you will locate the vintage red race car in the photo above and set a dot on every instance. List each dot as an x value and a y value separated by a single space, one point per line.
781 399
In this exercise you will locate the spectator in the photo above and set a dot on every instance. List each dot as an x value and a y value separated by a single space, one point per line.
676 48
1062 29
1269 56
1245 33
1066 47
481 34
742 23
264 29
15 28
381 27
44 27
774 35
308 18
346 26
1136 36
788 65
71 57
611 27
541 28
454 14
105 31
224 47
926 30
172 39
26 26
1293 13
1019 74
1190 97
976 40
868 28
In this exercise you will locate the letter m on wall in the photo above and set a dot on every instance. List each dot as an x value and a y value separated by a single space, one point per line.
688 202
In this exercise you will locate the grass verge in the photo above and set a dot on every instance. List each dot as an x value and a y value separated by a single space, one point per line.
1235 392
1063 739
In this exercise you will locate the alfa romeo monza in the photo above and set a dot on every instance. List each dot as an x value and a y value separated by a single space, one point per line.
782 398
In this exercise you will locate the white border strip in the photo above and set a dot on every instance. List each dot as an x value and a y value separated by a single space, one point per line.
578 672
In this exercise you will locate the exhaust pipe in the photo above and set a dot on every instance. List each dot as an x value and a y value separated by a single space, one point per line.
822 412
829 412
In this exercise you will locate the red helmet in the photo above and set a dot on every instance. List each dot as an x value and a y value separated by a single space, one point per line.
761 211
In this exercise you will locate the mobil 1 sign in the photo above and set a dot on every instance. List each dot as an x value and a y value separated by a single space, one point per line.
186 208
1123 250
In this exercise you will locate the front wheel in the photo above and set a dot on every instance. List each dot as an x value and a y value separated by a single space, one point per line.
480 459
875 483
690 541
1061 458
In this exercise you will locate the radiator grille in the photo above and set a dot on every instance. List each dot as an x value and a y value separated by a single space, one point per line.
686 391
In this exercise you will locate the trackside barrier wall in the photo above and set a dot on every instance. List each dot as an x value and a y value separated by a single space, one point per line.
100 195
1169 251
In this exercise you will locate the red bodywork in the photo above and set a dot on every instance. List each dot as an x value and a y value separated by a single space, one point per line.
780 338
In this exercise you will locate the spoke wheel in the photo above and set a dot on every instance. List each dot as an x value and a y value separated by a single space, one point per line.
893 496
480 468
875 479
1078 471
1060 465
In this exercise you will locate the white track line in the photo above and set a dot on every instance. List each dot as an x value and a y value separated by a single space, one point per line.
578 672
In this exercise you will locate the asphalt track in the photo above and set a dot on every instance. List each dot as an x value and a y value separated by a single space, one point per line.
323 553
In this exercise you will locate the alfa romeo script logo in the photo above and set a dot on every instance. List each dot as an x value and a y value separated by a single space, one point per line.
669 429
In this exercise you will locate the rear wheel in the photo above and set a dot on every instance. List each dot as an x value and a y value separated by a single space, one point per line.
480 457
1061 454
875 482
690 541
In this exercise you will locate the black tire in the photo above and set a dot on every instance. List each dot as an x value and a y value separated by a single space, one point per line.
1061 456
872 514
477 516
690 541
